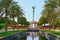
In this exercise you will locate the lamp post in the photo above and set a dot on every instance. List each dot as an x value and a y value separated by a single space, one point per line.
33 12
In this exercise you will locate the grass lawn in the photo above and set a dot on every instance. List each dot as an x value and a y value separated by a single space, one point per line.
53 32
9 33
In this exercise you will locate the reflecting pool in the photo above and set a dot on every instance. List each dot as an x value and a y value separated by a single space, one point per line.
30 38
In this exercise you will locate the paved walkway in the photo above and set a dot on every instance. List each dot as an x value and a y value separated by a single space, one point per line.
57 30
53 30
10 30
21 29
4 30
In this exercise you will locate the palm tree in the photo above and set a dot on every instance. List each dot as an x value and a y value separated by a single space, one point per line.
13 13
19 13
16 11
46 13
50 11
5 5
58 7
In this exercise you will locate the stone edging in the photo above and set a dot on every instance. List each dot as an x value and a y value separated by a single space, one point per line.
9 35
46 33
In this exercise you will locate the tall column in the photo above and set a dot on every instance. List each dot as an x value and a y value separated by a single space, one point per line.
33 12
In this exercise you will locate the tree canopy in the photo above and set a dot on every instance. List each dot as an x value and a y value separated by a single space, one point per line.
23 21
51 12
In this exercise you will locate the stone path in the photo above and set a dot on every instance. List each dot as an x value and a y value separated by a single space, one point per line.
10 30
4 30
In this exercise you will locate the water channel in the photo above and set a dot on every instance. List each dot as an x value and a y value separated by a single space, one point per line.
32 36
32 33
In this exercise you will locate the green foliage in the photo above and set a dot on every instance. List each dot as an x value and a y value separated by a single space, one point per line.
51 12
42 20
9 21
12 10
2 26
22 20
57 21
6 4
2 20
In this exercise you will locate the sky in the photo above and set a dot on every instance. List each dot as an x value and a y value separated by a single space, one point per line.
26 5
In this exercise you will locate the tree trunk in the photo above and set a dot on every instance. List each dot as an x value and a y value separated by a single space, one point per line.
6 20
53 27
53 24
44 26
14 23
17 22
49 27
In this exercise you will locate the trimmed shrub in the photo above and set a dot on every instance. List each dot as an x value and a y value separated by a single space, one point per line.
2 26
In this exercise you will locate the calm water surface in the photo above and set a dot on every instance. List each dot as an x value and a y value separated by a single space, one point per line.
30 37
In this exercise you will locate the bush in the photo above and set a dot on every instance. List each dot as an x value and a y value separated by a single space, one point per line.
2 26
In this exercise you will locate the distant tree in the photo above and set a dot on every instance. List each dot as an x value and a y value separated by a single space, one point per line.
42 20
23 21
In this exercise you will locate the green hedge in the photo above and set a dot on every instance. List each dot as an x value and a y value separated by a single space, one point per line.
2 26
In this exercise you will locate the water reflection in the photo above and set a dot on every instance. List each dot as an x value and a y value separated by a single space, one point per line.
25 36
33 36
30 37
